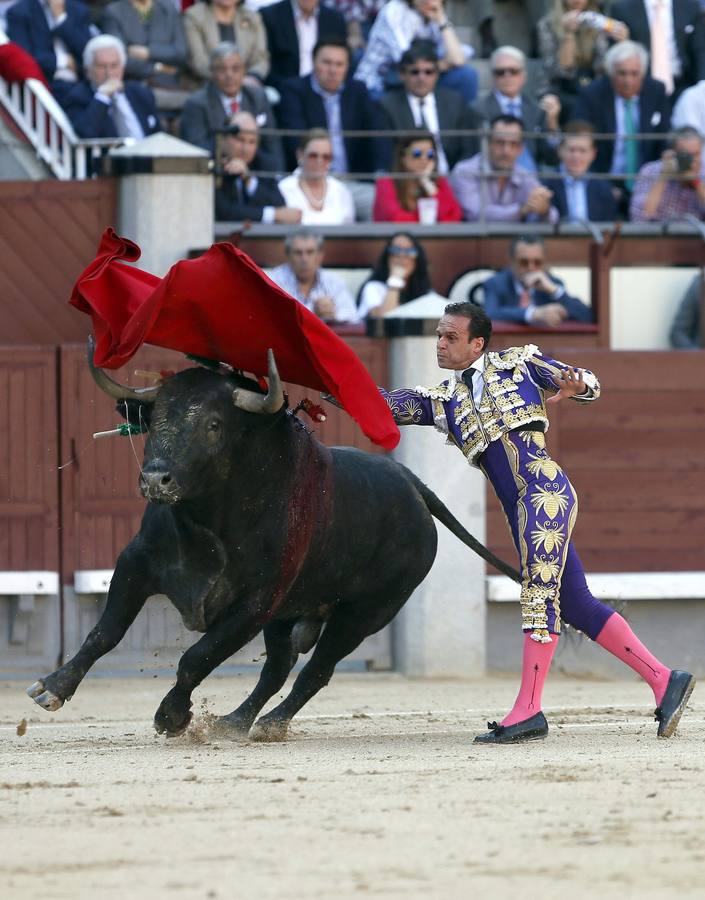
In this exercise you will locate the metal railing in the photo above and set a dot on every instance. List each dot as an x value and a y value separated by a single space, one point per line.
47 128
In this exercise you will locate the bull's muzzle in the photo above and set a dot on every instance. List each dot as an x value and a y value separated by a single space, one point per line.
157 484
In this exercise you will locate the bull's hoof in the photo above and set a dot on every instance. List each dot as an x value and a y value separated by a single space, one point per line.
269 732
44 698
173 731
230 729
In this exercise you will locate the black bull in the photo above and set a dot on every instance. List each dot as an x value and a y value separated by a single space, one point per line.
253 525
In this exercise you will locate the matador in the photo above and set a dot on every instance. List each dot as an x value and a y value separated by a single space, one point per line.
493 408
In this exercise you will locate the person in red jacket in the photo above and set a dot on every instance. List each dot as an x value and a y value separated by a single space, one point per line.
421 196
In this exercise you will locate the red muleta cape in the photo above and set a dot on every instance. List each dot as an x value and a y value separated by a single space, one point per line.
223 307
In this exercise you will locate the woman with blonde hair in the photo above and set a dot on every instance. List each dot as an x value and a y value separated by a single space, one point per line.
573 39
212 22
322 199
419 195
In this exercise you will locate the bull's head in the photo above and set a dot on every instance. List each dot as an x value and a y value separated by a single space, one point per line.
195 421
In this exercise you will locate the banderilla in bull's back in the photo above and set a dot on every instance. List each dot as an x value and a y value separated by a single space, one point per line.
253 525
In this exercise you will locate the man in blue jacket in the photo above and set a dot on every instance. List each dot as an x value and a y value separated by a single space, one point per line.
54 33
526 292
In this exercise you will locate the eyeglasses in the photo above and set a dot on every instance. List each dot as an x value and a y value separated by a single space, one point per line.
418 154
500 73
428 72
530 262
326 157
403 251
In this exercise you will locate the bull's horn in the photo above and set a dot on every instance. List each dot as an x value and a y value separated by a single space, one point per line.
112 388
256 403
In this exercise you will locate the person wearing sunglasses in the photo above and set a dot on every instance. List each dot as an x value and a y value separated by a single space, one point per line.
508 97
322 199
410 196
420 102
399 275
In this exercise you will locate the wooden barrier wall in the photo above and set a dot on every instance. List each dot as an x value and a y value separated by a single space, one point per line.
636 457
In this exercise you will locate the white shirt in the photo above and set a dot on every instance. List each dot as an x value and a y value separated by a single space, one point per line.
128 113
650 5
338 206
428 111
326 284
62 72
226 101
478 379
690 108
307 33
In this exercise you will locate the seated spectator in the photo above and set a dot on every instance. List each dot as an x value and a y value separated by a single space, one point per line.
399 275
302 276
509 98
327 99
209 23
674 186
420 103
686 333
210 109
55 33
399 23
294 27
425 197
690 108
576 196
527 292
105 104
239 194
322 199
675 41
626 101
572 49
153 34
491 187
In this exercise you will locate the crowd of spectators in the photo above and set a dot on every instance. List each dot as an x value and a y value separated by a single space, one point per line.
325 112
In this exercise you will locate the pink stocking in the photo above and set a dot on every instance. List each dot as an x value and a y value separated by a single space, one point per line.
618 638
535 665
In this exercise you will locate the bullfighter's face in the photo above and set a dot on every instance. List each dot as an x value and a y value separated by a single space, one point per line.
455 349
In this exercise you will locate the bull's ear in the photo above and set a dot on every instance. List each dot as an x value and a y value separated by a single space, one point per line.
136 412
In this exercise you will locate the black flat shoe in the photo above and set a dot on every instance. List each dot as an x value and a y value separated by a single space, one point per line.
533 729
680 687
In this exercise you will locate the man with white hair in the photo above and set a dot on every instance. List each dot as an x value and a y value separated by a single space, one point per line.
625 102
104 104
508 98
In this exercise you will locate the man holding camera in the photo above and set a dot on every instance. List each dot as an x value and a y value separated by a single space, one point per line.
673 186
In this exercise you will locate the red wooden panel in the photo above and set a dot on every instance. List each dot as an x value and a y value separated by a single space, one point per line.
29 522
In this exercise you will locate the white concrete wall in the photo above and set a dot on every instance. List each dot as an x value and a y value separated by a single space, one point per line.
441 630
643 303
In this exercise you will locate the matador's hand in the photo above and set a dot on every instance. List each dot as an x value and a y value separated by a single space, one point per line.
569 383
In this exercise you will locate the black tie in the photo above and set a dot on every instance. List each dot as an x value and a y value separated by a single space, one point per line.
467 378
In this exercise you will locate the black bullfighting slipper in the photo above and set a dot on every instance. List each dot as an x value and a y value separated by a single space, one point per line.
680 687
533 729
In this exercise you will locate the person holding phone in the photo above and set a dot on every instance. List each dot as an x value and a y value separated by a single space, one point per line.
418 194
674 186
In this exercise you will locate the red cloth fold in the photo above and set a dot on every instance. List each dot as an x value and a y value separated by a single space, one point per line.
222 306
17 65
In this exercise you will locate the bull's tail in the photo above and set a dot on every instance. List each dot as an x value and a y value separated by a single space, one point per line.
440 511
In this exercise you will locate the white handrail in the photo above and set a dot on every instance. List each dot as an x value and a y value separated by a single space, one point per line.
48 129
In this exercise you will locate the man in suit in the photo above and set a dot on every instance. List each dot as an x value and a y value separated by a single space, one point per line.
210 109
54 32
240 195
508 98
625 101
420 103
673 31
294 27
576 196
527 292
105 105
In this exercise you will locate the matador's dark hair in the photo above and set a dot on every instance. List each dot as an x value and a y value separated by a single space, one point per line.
480 323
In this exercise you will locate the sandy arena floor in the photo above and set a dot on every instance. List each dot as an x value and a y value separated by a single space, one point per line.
378 792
